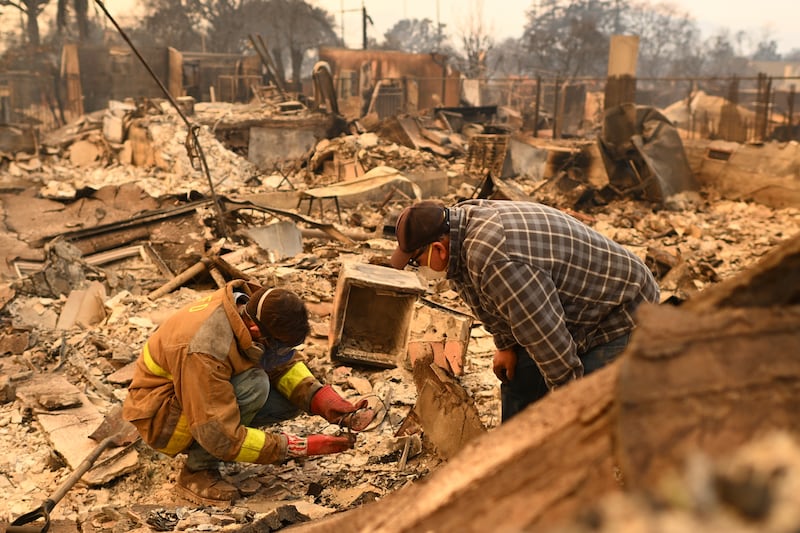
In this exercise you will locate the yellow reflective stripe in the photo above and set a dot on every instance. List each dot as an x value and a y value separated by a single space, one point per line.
152 366
292 378
252 446
180 439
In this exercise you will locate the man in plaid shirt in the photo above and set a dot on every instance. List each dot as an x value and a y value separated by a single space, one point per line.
557 296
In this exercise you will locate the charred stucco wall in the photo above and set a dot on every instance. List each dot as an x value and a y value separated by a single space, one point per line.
230 75
357 70
115 73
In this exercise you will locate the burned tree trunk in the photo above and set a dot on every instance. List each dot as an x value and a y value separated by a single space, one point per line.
709 382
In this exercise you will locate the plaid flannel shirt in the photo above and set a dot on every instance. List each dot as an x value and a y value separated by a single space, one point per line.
538 277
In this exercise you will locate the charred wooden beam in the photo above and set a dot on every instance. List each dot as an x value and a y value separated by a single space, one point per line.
148 217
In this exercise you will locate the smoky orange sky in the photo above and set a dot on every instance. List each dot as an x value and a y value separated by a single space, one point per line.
775 19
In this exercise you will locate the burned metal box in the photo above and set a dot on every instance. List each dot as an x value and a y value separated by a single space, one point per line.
372 312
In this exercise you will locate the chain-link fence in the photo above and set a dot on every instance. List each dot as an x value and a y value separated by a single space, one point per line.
741 109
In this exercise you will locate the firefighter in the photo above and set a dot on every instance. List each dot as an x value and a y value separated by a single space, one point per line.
217 371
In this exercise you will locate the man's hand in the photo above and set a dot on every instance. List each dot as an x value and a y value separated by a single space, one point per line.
503 364
317 444
336 410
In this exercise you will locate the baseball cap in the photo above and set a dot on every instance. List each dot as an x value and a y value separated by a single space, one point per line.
418 226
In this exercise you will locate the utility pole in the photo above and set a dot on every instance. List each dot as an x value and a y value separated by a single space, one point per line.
341 16
363 27
364 19
438 29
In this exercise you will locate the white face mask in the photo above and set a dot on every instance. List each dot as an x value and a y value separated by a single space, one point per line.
431 274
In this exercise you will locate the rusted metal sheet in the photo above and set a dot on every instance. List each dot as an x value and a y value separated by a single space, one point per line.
487 154
644 154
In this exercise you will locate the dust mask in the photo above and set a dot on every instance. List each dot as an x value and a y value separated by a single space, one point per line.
430 274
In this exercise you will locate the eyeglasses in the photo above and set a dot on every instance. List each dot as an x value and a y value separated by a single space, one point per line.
414 261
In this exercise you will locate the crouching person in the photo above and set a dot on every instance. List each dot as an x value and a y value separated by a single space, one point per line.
219 369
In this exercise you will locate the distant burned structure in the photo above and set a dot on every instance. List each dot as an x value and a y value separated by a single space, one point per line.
96 74
389 82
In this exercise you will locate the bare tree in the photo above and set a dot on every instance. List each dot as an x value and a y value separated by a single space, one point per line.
720 55
292 29
792 55
666 35
225 23
170 23
570 38
766 49
476 41
81 8
31 9
414 35
508 58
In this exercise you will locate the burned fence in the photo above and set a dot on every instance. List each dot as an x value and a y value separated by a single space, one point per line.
749 109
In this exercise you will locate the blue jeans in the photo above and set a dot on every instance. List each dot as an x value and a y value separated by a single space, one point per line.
259 405
528 384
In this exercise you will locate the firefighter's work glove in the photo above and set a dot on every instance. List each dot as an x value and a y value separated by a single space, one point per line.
329 405
317 444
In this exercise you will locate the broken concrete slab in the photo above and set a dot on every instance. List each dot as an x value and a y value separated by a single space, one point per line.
84 153
33 313
84 307
766 173
280 240
38 220
123 376
717 403
68 429
8 390
270 146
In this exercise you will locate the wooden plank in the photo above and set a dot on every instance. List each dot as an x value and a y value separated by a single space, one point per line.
445 411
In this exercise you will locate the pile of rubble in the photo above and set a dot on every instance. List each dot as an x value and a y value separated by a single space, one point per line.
81 324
